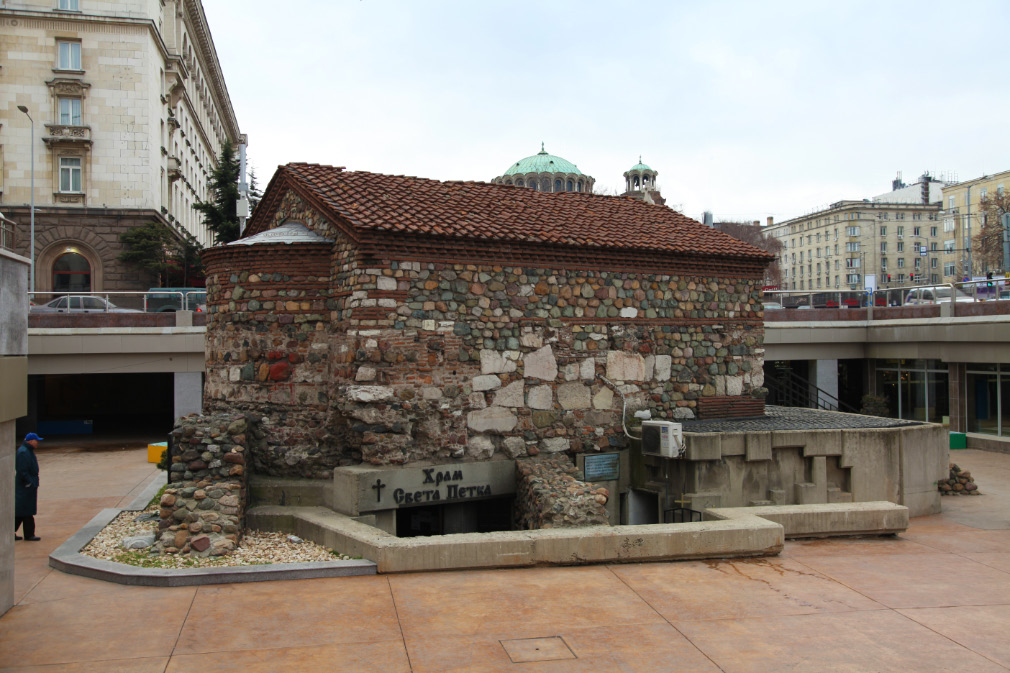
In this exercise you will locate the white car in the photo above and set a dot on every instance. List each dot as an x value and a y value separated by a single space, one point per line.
78 304
936 295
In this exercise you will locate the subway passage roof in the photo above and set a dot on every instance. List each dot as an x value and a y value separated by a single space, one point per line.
373 203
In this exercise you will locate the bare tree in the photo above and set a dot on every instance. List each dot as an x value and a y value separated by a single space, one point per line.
751 232
987 244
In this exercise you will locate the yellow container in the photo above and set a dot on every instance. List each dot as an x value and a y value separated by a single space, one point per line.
156 451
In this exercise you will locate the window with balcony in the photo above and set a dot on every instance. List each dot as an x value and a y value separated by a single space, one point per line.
70 174
69 112
852 231
68 55
852 246
852 263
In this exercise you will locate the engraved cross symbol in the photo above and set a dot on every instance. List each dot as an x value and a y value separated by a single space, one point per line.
378 486
683 500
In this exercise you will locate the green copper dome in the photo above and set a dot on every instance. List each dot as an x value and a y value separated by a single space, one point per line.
639 166
542 162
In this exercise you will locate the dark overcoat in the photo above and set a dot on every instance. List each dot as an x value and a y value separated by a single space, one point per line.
26 481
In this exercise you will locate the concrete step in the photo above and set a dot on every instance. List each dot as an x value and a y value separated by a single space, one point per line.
290 492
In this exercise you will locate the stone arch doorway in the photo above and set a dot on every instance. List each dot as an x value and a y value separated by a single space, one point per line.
68 266
71 273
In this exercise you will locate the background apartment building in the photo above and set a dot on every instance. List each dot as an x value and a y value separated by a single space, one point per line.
890 240
964 216
130 112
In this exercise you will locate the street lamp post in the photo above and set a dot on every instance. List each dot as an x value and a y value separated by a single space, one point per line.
31 276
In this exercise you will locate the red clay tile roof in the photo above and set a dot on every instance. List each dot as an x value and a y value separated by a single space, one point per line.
372 202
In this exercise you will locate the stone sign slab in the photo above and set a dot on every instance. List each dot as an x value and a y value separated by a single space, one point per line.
377 488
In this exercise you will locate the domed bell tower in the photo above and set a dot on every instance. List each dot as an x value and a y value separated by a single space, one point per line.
640 183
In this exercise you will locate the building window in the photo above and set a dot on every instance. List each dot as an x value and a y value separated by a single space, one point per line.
982 193
883 264
933 262
70 111
570 186
852 246
901 232
948 224
883 230
69 55
70 174
934 246
948 268
901 262
932 231
915 389
852 231
852 263
901 246
916 231
948 246
950 203
70 5
883 246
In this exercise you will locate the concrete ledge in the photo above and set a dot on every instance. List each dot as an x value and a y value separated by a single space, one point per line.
68 559
826 520
740 536
289 491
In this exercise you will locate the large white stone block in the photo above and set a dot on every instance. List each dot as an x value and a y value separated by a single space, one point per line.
555 444
540 397
664 365
623 366
574 395
604 399
486 382
541 364
369 393
509 396
492 419
385 283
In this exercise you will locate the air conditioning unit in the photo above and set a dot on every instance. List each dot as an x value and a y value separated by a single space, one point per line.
663 438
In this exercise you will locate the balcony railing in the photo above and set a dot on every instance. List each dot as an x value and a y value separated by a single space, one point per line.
8 234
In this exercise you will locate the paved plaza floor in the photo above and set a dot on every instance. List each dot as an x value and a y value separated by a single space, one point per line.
936 598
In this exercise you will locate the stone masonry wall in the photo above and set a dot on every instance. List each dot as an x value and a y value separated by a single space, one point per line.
202 512
268 351
466 361
548 495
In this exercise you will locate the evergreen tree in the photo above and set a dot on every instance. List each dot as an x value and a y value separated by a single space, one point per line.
147 248
156 249
255 193
219 214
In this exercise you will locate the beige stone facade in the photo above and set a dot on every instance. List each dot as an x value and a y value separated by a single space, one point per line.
963 218
130 112
838 247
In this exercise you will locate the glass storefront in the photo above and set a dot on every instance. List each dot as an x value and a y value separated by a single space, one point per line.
915 389
987 399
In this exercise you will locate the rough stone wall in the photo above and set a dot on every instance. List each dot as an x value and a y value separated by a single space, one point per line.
465 361
268 351
202 512
548 495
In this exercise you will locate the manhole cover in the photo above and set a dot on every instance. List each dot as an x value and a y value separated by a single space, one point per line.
537 649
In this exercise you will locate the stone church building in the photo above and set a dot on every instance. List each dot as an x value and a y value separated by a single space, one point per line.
378 321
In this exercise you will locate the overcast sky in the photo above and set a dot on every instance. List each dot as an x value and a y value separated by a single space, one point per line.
745 108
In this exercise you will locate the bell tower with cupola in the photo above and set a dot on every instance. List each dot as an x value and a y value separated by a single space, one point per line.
640 183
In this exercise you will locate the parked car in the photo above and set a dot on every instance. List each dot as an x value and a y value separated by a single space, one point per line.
171 299
936 295
80 304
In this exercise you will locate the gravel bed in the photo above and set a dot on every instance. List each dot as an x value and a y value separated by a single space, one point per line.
255 548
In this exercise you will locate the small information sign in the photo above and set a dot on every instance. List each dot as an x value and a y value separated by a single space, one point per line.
602 467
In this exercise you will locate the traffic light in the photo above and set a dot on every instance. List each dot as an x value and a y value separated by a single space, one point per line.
888 278
911 277
988 278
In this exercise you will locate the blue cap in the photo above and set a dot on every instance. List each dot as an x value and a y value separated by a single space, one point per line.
31 435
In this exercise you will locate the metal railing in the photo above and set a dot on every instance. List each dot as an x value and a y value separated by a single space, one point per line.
8 233
151 301
788 389
904 295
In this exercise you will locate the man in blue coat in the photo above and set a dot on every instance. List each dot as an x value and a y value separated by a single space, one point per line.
26 487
